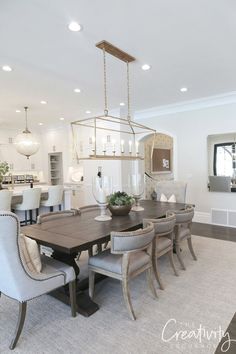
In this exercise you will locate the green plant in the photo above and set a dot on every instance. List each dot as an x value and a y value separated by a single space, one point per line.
120 198
4 168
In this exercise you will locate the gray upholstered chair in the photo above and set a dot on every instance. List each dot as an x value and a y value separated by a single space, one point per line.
168 188
183 231
220 183
129 256
164 240
17 282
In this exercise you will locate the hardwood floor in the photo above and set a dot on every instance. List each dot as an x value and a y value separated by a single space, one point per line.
214 231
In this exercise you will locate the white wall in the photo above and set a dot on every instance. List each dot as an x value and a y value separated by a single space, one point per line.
190 130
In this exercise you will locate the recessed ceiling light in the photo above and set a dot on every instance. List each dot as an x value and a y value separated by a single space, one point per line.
6 68
77 90
43 102
122 104
184 89
61 118
18 111
40 123
88 112
74 26
146 67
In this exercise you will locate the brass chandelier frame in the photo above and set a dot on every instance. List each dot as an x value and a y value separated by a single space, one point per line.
119 125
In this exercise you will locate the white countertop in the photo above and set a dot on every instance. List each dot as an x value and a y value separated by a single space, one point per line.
17 191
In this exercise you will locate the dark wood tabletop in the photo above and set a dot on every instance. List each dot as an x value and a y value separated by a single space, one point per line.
80 232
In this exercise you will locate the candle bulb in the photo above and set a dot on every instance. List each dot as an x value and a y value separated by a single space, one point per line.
130 147
137 146
122 146
104 145
113 146
93 143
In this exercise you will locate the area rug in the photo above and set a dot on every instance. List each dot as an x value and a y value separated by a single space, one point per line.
189 316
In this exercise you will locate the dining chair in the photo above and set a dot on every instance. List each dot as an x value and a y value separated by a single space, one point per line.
163 243
55 197
42 218
5 200
128 257
169 188
183 231
30 202
21 284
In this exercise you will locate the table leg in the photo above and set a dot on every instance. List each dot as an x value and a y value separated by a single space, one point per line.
85 306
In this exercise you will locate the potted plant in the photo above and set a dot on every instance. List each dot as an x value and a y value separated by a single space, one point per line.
120 203
4 168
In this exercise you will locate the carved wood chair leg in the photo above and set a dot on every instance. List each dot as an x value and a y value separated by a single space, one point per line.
190 246
91 283
178 252
157 274
171 258
150 282
126 295
72 291
20 324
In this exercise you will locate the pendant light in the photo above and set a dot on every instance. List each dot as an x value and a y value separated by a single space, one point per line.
26 143
105 136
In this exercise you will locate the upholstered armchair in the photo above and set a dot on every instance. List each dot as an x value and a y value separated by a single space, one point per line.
183 231
21 284
163 242
168 188
129 256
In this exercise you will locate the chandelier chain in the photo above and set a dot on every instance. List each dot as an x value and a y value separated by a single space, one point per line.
105 82
128 92
26 119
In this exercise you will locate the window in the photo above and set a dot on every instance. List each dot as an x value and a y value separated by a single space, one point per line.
224 163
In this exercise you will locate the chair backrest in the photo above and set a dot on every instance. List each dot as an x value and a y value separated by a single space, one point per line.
87 208
13 275
56 215
168 188
5 200
55 195
131 241
183 216
162 226
31 198
220 184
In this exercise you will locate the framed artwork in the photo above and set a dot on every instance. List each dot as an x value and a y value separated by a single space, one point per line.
161 160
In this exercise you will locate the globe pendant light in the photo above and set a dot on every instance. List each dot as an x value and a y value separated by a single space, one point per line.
26 143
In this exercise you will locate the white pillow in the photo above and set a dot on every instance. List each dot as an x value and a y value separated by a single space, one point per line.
172 198
31 254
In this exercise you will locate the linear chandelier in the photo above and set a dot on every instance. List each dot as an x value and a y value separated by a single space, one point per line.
107 137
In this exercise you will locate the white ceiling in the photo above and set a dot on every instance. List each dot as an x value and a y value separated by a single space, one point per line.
188 43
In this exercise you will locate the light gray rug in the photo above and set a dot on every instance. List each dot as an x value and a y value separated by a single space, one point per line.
203 295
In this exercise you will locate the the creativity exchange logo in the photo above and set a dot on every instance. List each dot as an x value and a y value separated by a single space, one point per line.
191 334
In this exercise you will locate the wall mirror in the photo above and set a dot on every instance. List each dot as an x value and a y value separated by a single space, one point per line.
222 162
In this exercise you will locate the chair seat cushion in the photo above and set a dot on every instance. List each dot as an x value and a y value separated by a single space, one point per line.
51 266
113 262
163 243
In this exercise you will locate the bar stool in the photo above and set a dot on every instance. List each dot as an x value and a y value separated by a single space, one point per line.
55 197
5 200
30 202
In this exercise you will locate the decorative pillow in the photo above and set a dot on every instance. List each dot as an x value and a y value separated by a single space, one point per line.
31 254
172 198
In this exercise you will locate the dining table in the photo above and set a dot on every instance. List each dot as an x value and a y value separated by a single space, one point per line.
72 235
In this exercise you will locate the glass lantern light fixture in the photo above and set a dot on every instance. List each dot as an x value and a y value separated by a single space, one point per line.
108 137
26 143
